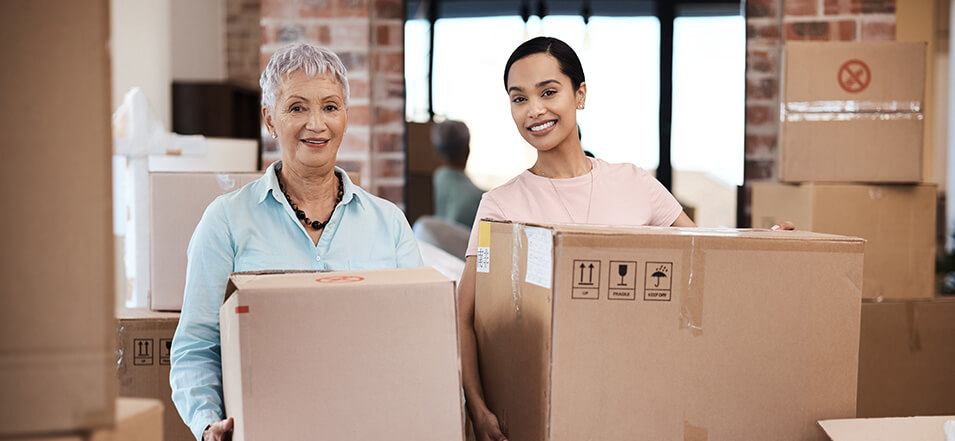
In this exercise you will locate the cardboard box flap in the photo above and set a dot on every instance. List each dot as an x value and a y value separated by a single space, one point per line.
276 280
761 234
887 429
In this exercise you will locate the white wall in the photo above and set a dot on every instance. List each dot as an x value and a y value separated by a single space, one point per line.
198 40
140 45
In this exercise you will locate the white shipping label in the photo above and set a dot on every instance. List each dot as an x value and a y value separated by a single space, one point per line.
484 259
540 246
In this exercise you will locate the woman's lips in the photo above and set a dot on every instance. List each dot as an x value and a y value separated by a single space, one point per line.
314 142
542 128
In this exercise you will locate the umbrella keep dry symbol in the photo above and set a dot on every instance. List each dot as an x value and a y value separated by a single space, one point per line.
658 275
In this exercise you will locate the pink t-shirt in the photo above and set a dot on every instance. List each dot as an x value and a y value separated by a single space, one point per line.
623 194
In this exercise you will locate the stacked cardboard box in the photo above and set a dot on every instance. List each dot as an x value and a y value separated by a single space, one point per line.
143 363
851 163
137 419
56 267
176 203
362 355
623 333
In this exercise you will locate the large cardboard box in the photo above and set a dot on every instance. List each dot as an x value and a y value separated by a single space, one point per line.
887 429
137 419
907 358
897 222
56 267
143 363
624 333
363 355
852 112
177 202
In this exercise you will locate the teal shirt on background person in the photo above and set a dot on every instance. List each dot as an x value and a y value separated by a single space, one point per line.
254 228
456 198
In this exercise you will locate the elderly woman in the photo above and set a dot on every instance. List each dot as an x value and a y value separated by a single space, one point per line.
303 214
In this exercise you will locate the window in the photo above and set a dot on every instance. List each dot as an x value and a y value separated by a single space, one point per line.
622 87
708 123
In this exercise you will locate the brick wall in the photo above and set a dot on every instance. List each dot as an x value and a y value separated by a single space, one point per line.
368 36
242 41
769 23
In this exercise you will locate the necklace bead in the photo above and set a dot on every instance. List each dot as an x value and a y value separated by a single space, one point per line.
300 214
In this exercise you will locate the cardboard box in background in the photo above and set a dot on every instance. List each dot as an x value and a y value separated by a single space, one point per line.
56 267
663 333
887 429
363 355
852 112
136 419
897 222
177 202
131 187
143 363
907 358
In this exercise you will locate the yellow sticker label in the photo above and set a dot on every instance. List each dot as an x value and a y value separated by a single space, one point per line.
484 234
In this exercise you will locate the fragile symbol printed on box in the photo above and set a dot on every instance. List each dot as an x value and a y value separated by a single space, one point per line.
623 280
165 347
657 281
142 352
586 279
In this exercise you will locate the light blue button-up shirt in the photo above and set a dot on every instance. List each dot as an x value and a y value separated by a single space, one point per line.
254 228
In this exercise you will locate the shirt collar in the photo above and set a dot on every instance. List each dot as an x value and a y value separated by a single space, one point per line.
270 184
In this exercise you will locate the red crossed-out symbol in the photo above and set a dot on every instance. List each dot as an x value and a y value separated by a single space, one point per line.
854 76
340 279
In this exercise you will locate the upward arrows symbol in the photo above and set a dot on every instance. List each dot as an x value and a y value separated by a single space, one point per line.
582 273
590 276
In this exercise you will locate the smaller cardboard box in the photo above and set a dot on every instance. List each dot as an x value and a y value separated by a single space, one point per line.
137 419
649 333
177 202
926 428
363 355
852 112
897 222
143 363
907 358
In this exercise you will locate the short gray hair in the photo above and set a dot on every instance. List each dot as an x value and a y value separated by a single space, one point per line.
312 59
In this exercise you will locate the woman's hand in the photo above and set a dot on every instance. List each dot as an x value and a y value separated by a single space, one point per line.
487 428
783 226
218 431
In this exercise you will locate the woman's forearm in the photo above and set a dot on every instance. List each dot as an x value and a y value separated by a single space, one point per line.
470 371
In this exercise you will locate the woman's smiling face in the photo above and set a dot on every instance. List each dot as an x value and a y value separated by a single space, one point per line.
543 101
309 119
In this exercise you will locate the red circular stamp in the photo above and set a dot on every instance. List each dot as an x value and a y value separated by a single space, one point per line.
340 279
854 76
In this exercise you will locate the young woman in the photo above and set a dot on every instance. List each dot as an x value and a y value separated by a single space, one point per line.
545 83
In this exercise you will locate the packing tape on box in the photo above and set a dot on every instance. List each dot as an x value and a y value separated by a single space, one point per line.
226 182
838 116
912 323
694 433
691 306
517 249
852 106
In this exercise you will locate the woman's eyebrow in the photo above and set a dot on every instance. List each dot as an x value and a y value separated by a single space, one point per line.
296 97
546 82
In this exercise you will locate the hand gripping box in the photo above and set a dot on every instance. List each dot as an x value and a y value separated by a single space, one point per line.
624 333
357 355
852 112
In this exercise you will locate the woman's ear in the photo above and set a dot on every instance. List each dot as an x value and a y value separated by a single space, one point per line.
581 95
267 119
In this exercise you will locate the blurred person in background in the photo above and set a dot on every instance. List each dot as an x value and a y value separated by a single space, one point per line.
303 214
456 198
